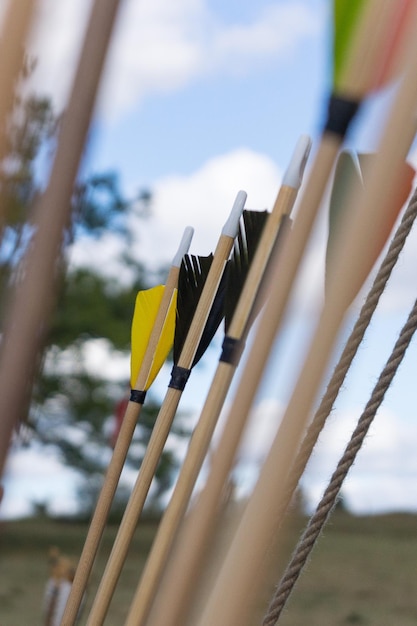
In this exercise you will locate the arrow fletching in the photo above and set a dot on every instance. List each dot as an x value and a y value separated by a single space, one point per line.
347 176
398 200
214 319
246 242
346 16
351 175
193 274
385 25
146 309
192 277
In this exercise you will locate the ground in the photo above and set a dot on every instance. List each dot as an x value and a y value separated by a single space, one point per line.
362 571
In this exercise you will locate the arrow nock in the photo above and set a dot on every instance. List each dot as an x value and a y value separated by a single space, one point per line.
231 227
295 170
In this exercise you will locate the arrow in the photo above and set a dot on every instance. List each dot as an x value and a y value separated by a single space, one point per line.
147 305
258 524
241 258
360 65
332 137
179 377
154 314
252 260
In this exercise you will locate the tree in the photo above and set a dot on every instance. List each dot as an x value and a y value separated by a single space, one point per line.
72 406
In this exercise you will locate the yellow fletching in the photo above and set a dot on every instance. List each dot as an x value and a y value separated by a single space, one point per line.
165 342
146 310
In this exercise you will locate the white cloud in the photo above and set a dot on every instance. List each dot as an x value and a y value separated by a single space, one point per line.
276 32
382 477
156 48
160 46
98 351
103 255
202 200
36 475
384 469
262 426
95 353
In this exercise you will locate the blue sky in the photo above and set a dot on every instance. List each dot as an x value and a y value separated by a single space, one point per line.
202 98
223 108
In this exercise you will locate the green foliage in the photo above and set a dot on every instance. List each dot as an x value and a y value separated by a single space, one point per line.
28 133
92 306
99 205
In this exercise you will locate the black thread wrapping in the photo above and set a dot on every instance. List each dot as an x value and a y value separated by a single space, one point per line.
137 395
179 377
340 113
232 349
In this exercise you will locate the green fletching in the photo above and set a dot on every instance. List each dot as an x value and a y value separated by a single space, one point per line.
346 14
347 176
246 242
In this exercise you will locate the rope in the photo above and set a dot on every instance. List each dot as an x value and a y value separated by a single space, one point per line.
348 354
328 500
353 342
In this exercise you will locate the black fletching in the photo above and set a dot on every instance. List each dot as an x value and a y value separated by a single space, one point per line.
191 280
284 227
246 242
214 319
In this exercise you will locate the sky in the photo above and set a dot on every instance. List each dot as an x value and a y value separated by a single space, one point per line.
199 99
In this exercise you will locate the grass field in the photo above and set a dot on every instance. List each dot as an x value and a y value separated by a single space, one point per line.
363 571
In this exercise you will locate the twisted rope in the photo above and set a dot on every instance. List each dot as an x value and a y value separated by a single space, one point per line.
328 500
353 342
347 356
339 375
341 369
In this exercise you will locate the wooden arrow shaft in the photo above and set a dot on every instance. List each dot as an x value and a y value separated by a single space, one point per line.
157 441
134 508
145 368
183 489
259 521
183 570
114 470
101 513
203 432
